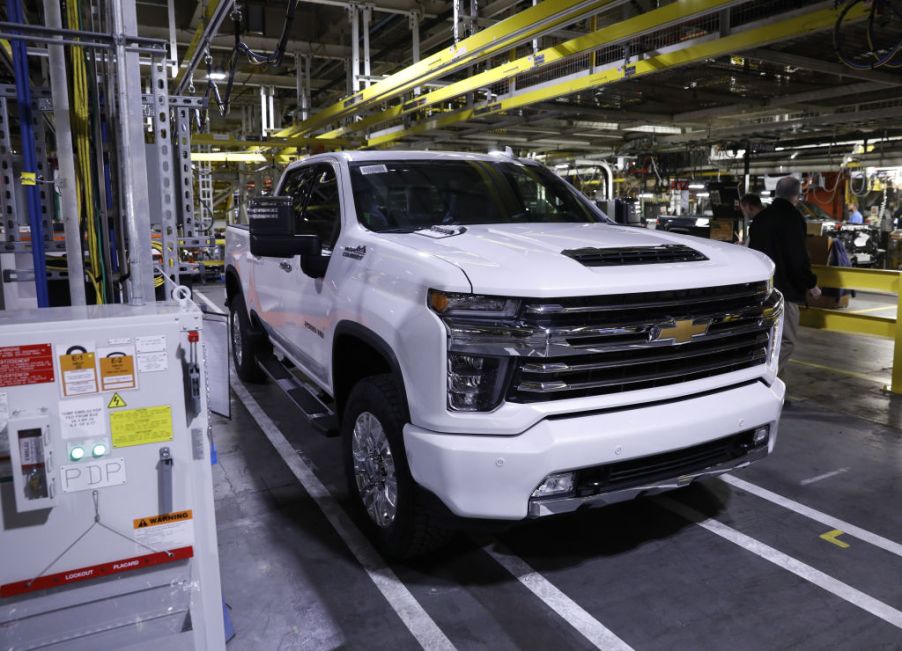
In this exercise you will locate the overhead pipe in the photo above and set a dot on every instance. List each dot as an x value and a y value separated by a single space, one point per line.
15 14
355 48
66 157
366 44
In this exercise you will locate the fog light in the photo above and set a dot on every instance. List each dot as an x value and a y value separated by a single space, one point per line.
760 436
77 453
557 484
99 450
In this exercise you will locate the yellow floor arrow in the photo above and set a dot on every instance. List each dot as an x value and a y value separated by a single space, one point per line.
832 537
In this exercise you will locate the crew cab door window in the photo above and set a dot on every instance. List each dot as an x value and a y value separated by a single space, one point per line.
322 210
297 185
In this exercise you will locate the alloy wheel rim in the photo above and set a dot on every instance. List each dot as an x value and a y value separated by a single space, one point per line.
374 470
236 338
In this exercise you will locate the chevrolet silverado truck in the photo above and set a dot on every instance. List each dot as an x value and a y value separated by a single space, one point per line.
490 346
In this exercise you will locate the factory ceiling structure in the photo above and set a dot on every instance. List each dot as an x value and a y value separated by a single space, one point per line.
563 78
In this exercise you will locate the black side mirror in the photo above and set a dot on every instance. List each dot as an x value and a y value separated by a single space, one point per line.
272 228
315 265
288 246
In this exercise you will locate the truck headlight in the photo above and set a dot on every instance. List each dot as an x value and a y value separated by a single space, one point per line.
454 304
476 383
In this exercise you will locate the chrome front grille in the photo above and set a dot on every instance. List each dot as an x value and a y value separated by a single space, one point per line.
609 344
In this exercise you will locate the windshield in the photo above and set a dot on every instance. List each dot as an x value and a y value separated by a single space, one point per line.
404 196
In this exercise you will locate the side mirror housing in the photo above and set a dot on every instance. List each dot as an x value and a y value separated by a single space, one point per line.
274 246
272 224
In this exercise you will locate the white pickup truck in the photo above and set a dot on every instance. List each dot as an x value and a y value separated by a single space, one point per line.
490 346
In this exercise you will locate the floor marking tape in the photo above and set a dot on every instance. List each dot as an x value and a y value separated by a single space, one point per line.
833 538
855 374
417 620
856 532
569 610
824 581
826 475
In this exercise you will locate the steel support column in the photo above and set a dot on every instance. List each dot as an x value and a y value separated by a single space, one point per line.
135 197
163 139
354 16
366 15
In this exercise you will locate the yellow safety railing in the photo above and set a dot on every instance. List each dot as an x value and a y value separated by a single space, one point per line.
875 280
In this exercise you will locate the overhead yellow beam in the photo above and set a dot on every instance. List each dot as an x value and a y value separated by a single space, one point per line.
795 27
631 28
224 140
227 157
542 18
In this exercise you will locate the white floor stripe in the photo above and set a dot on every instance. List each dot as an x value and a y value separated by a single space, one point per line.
834 523
842 590
826 475
572 613
210 304
417 620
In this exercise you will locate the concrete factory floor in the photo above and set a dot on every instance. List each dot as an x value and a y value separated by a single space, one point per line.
801 551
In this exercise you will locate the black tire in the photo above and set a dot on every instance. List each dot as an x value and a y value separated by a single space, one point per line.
411 531
244 342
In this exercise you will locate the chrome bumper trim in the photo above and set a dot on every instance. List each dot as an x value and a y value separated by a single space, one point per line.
544 507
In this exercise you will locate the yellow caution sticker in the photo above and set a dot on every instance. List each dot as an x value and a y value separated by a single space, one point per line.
165 531
28 178
141 426
116 402
164 518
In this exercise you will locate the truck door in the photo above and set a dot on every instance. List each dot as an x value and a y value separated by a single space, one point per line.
309 307
273 277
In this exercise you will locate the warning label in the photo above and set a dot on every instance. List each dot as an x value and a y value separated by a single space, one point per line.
117 368
153 520
78 372
141 426
116 401
166 530
21 365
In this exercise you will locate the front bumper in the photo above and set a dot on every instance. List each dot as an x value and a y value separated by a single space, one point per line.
481 476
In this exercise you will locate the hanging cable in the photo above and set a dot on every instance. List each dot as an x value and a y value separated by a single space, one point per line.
274 58
883 15
82 141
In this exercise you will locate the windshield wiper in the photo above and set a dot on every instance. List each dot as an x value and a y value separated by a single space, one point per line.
398 229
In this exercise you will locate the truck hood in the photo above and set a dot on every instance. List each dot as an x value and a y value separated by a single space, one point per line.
526 259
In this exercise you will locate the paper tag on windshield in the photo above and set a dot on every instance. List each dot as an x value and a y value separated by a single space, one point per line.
373 169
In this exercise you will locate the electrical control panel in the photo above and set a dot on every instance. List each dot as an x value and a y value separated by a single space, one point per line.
106 508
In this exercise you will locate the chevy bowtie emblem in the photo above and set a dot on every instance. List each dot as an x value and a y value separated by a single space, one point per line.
678 332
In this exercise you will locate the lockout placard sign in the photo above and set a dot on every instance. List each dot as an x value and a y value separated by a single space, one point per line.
22 365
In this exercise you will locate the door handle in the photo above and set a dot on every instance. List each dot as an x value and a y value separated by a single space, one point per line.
285 266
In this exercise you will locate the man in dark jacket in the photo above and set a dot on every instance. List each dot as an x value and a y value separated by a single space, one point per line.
779 231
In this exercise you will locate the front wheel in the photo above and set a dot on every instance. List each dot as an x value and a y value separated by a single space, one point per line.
379 478
244 344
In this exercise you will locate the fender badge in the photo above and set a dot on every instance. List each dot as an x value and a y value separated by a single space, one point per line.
354 252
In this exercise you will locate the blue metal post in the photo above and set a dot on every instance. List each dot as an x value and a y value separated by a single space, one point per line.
15 14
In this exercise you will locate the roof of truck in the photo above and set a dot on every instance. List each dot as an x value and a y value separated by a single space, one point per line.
364 156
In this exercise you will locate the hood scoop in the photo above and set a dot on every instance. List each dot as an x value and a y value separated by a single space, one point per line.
630 255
